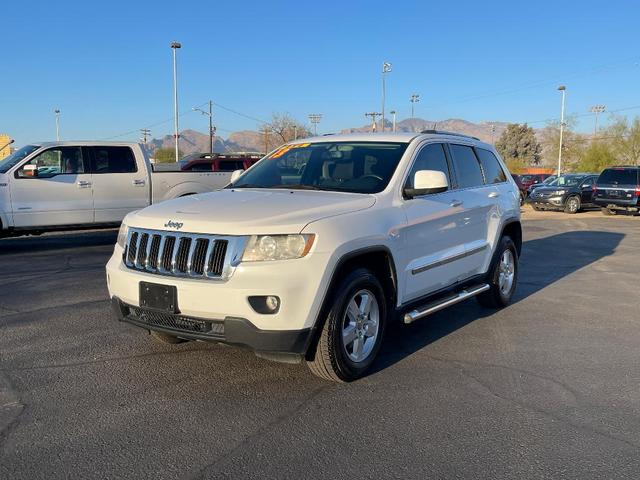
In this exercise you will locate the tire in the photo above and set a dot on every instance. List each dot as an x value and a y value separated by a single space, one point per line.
607 211
572 204
335 359
499 296
166 338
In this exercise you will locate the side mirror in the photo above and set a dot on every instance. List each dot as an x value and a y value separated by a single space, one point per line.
236 175
427 182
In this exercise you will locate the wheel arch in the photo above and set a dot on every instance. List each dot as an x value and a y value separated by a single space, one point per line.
377 259
513 229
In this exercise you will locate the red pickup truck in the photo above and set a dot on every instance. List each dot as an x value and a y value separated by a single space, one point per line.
219 162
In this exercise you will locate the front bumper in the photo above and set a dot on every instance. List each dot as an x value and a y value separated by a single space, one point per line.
236 331
553 203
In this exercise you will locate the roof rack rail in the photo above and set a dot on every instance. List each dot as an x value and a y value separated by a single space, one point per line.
443 132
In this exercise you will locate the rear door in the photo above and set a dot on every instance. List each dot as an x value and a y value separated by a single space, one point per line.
52 189
480 207
586 190
119 186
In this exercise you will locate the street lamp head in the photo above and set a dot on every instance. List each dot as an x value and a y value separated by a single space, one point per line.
386 67
176 45
56 111
562 87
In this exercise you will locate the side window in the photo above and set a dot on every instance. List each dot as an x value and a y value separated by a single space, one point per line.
200 167
466 166
113 160
493 172
52 162
431 157
230 165
588 182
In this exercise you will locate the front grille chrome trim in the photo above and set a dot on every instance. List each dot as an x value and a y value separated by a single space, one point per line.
176 252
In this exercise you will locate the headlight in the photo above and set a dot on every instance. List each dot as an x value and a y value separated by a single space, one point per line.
122 234
277 247
560 192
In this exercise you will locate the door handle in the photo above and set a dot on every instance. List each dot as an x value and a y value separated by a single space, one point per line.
494 195
138 183
456 203
83 184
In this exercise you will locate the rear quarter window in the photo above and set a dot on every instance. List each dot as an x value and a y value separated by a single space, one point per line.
620 176
493 172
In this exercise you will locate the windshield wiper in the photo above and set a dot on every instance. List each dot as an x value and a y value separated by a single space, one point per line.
297 186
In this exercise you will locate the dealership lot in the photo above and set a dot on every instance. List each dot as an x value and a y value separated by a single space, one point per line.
547 387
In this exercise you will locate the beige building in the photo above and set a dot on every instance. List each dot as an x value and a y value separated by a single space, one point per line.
4 140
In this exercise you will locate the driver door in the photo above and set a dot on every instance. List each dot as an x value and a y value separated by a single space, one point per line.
52 189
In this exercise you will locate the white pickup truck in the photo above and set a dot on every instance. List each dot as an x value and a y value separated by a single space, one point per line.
318 246
70 185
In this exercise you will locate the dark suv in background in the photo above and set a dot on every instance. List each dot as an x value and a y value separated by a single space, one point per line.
568 192
618 189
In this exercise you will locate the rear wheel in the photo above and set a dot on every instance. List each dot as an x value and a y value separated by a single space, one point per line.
166 338
572 205
353 329
503 276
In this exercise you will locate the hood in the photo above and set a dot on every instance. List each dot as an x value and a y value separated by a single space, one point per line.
250 211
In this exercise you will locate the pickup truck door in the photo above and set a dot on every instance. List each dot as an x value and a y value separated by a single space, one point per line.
436 231
53 188
120 183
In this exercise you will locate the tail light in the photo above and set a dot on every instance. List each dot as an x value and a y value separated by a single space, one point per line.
594 188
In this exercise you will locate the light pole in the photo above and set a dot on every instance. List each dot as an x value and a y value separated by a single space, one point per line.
212 129
562 89
6 145
393 113
596 110
386 68
315 118
175 46
415 98
57 112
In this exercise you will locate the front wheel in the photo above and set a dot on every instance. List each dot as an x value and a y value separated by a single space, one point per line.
572 205
353 329
503 276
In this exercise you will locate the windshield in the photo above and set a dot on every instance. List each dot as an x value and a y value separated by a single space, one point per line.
356 167
566 181
549 180
526 178
10 161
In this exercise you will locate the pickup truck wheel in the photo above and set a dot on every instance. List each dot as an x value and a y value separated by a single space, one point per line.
503 276
353 329
572 205
608 211
166 338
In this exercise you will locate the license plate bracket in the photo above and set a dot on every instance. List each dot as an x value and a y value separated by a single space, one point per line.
163 298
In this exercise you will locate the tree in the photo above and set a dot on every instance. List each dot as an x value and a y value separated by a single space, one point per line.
573 145
518 146
625 140
282 129
165 155
596 157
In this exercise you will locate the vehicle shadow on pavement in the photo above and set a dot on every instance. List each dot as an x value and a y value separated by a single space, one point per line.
544 261
66 241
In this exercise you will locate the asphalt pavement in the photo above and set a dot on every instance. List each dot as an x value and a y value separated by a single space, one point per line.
546 388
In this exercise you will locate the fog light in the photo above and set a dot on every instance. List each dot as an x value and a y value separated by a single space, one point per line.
266 305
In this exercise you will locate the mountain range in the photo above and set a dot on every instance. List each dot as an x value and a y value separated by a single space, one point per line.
192 141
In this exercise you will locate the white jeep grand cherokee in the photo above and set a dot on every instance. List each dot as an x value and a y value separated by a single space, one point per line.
315 249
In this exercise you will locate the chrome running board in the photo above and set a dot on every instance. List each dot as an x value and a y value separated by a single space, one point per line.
448 301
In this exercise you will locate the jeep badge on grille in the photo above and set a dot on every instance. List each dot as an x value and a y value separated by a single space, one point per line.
172 224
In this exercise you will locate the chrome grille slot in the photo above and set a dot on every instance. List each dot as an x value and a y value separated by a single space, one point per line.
182 254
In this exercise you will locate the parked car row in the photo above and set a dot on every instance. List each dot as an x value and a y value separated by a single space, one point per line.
616 189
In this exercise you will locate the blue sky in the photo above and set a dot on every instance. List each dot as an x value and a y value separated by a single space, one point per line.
107 65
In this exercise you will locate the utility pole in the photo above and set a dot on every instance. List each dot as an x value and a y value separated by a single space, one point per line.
315 118
596 110
265 132
493 131
393 113
415 98
373 116
386 68
175 46
57 112
145 133
562 89
295 132
212 129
